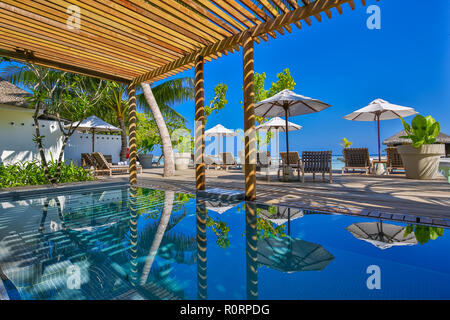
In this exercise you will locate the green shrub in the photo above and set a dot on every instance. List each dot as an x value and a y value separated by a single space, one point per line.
32 173
423 130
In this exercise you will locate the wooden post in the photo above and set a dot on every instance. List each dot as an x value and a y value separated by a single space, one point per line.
249 119
132 134
251 250
199 125
133 245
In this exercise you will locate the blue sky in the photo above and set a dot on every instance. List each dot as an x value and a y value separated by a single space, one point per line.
341 62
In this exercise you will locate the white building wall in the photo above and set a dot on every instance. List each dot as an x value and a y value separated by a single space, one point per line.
16 139
82 143
16 136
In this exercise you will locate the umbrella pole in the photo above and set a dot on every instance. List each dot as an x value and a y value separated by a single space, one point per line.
379 147
287 135
93 140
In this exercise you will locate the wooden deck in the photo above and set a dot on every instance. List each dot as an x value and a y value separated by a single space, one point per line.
392 194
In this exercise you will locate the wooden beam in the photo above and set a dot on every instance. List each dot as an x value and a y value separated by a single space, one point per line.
132 116
249 118
27 56
280 21
199 125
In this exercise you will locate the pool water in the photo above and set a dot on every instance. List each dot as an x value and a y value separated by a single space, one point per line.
122 243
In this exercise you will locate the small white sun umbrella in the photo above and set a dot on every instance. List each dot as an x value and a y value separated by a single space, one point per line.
219 131
94 124
221 206
377 110
279 125
288 104
382 235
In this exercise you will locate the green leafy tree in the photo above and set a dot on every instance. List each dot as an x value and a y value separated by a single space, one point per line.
285 81
424 233
147 135
60 94
218 102
158 102
115 100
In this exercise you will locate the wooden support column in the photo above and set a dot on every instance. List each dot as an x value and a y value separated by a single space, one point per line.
199 125
202 289
249 119
132 134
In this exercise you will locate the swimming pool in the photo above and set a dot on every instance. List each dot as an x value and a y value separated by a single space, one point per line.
138 243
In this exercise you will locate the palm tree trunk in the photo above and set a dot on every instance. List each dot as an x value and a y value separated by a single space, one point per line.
162 226
123 149
169 165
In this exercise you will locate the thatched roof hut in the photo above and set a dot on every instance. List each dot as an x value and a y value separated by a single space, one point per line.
12 95
395 140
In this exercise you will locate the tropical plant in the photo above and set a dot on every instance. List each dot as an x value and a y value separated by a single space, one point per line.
115 99
147 136
423 130
218 102
32 173
346 143
285 81
60 94
423 233
221 230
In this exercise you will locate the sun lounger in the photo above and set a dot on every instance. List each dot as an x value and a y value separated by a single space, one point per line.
104 166
228 160
317 162
86 160
241 156
356 159
263 160
394 161
210 162
294 162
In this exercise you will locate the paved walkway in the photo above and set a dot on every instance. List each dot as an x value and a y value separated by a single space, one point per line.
392 194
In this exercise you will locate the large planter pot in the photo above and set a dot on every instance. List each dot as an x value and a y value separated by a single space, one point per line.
421 163
181 160
146 160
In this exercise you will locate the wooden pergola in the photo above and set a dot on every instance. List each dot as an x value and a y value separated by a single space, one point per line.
136 41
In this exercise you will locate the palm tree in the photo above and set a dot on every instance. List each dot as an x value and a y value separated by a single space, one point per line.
158 100
116 102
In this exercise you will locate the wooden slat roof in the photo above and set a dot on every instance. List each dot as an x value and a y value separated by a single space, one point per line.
144 40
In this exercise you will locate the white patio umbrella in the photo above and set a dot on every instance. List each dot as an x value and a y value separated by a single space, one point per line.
382 235
219 131
281 215
279 125
94 124
221 206
377 110
288 104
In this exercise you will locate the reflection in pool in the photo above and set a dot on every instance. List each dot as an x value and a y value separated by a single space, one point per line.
138 243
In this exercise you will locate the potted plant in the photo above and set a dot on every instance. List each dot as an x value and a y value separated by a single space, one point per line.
421 157
183 147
